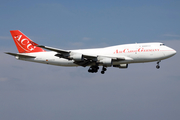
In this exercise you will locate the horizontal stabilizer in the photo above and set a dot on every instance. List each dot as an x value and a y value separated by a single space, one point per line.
19 55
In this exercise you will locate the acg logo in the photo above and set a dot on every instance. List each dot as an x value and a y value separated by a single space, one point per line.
24 43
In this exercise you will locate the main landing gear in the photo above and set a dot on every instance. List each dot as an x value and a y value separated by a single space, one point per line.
158 66
103 70
94 69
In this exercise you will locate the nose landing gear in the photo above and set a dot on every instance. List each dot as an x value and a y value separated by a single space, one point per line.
158 66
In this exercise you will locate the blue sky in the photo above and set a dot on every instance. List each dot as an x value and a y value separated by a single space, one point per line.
35 91
103 22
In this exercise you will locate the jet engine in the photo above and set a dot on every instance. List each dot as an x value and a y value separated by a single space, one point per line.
77 57
106 62
121 66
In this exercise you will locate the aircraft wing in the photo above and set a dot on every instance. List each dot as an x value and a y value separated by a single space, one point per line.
83 59
54 49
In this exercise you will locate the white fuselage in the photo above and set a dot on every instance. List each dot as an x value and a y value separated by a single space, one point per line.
133 53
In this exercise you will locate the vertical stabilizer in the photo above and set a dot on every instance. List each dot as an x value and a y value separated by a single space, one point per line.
23 43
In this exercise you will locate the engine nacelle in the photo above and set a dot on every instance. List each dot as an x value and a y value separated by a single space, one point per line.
106 62
77 57
121 66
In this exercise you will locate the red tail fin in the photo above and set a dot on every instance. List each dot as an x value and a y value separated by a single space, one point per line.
23 43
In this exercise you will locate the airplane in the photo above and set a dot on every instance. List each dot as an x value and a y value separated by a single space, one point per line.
119 56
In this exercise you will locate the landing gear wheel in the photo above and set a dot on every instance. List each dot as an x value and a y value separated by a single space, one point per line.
157 66
103 70
93 69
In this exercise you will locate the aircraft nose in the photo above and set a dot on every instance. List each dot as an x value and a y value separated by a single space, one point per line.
171 52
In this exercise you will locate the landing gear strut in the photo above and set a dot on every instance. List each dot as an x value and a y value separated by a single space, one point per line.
157 66
103 70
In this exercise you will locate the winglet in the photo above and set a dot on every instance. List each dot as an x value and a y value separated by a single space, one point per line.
23 43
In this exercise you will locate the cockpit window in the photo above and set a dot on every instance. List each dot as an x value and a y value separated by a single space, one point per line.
162 44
